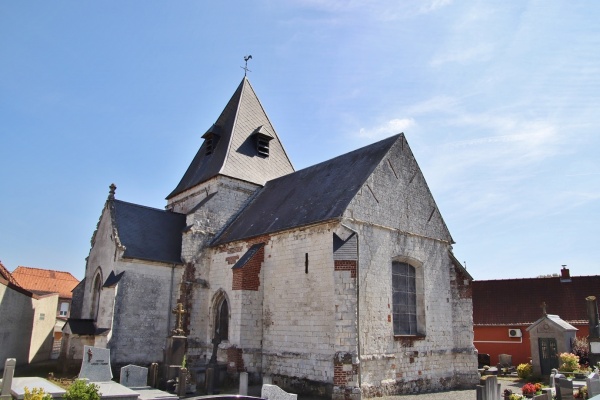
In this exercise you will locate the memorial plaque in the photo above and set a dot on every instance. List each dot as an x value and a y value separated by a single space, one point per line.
95 365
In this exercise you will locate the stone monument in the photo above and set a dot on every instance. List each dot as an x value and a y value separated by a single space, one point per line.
7 378
175 349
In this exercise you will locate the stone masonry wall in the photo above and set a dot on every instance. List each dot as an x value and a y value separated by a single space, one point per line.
299 324
396 218
146 294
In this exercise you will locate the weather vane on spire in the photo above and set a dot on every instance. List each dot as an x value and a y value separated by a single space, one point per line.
245 68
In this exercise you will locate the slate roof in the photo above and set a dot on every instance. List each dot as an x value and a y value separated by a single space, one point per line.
149 233
315 194
518 301
235 153
44 281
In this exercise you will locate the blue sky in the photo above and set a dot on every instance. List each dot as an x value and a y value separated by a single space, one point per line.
499 100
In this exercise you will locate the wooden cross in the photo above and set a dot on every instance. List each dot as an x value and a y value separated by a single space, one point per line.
178 311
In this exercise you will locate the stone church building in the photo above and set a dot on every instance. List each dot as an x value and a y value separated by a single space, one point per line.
337 279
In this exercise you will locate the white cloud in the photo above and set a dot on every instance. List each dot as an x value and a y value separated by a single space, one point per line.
392 127
477 53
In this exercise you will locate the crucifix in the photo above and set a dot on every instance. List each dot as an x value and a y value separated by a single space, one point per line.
178 311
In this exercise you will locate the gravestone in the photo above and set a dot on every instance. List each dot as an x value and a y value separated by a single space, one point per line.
489 389
593 384
564 388
505 360
543 396
134 376
7 378
273 392
95 365
243 384
483 359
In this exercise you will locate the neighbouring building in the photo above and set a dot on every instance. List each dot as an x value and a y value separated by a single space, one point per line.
504 309
45 281
337 279
26 321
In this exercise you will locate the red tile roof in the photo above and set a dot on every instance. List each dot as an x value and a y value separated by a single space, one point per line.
518 301
44 281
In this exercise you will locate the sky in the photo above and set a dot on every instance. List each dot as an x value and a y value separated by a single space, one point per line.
499 101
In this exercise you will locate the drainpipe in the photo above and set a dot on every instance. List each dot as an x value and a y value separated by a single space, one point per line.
357 300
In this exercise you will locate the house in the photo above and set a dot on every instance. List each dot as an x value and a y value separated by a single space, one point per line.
28 319
45 281
338 279
504 309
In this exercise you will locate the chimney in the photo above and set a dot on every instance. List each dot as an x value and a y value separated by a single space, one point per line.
565 276
592 312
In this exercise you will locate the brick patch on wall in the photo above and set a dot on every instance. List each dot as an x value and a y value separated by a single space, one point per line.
345 265
248 277
344 371
235 362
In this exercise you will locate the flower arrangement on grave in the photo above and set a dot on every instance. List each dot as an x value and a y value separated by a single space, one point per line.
529 389
36 394
515 396
569 362
582 393
524 371
80 390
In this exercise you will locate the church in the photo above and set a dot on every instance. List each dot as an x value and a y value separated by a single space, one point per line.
337 279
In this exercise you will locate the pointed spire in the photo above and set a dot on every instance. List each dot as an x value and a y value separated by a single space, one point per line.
233 148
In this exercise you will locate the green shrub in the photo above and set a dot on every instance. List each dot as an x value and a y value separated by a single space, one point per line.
80 390
36 394
569 362
524 371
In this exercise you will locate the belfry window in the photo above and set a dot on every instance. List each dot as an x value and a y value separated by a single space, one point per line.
262 138
211 137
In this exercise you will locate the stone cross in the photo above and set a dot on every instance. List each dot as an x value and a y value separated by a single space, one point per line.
213 358
543 305
178 311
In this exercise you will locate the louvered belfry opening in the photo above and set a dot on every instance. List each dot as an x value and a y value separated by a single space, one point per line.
211 138
262 138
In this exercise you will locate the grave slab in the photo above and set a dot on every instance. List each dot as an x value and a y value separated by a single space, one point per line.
95 365
115 391
155 394
19 385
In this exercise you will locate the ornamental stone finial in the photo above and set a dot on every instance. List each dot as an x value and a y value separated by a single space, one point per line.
111 193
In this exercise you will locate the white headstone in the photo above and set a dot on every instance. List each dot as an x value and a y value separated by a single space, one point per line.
273 392
95 365
593 384
133 376
7 378
243 384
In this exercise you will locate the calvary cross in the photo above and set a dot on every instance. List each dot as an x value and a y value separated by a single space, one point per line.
178 311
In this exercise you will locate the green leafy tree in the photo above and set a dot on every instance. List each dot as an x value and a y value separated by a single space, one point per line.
80 390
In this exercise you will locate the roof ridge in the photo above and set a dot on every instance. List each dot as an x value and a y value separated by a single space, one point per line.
147 207
44 269
235 118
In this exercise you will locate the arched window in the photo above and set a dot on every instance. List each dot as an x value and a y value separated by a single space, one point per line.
96 289
408 299
222 319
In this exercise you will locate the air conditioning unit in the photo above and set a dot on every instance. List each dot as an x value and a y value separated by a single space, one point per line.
514 333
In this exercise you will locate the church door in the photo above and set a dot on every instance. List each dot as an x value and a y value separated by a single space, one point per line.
548 355
222 321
